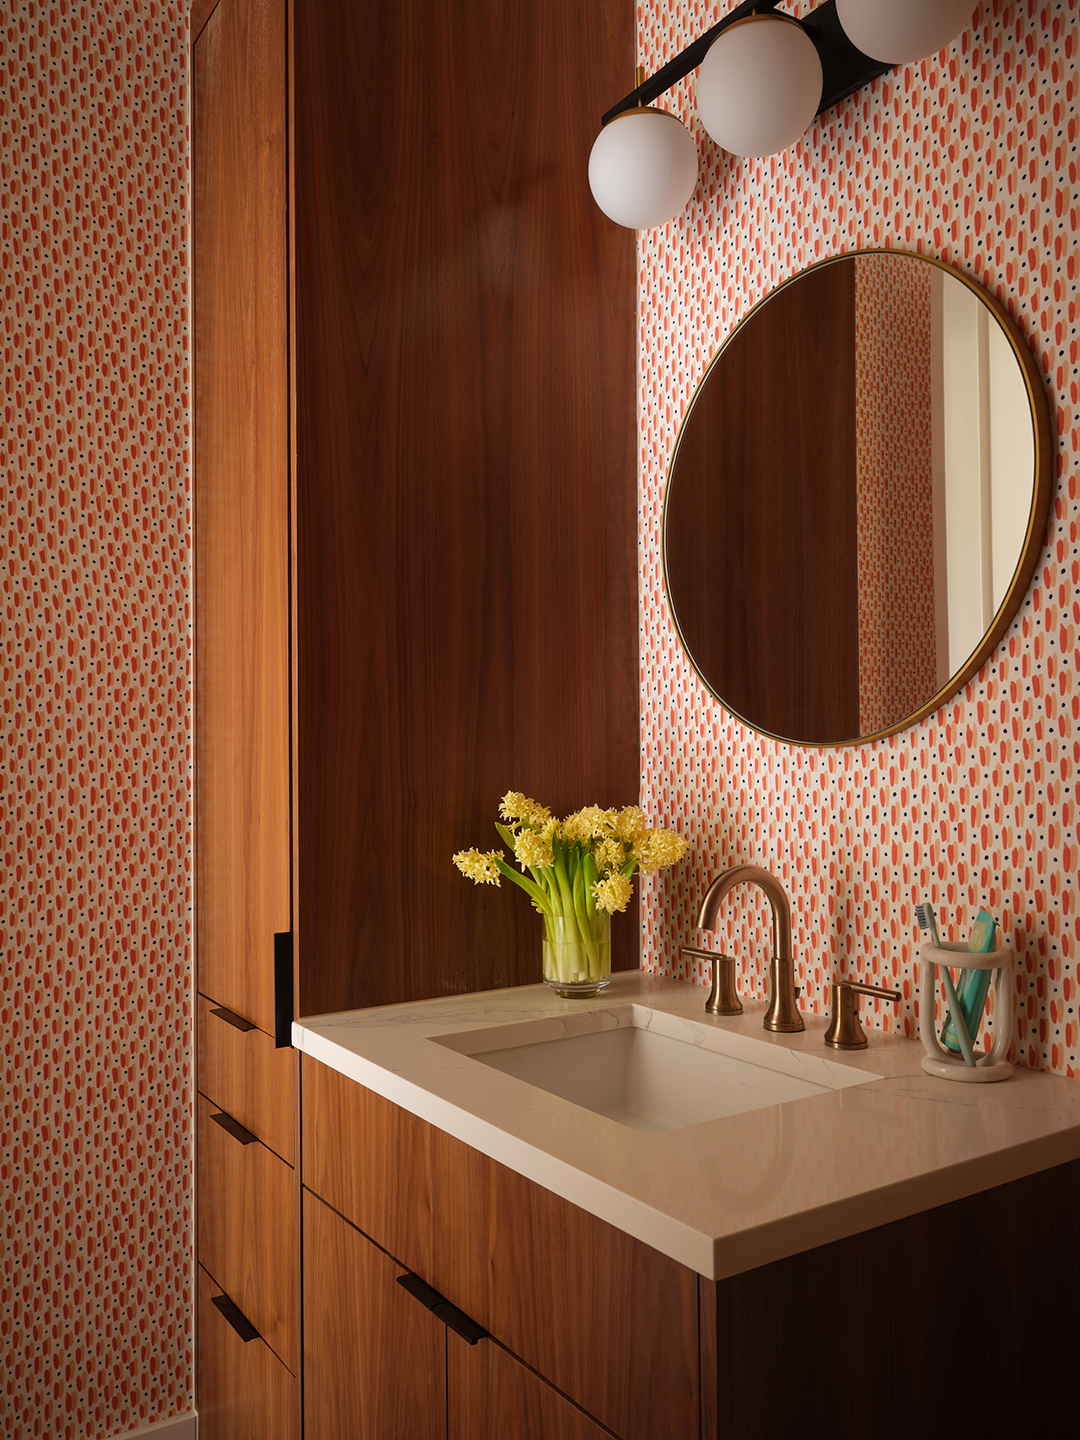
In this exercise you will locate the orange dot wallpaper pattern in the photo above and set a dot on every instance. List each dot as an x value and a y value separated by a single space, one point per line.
969 156
95 771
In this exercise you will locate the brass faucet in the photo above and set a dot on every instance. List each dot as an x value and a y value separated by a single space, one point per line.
783 1013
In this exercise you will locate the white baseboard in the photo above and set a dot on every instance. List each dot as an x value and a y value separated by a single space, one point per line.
182 1427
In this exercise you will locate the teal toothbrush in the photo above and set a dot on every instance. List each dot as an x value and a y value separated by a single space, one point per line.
974 984
924 915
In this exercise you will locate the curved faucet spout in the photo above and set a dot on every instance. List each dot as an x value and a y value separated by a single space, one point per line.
783 1013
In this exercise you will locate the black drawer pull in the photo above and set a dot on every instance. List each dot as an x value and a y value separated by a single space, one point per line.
440 1307
231 1018
236 1318
234 1128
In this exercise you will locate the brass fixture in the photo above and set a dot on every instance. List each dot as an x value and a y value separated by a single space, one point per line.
845 1030
783 1013
723 997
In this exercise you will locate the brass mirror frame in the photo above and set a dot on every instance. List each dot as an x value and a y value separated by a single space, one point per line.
1042 488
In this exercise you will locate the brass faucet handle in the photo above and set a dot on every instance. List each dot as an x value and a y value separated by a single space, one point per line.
723 997
845 1030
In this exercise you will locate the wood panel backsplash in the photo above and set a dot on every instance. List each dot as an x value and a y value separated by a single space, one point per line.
466 604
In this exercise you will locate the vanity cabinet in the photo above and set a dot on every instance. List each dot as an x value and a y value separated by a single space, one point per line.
567 1299
489 1392
378 1363
374 1358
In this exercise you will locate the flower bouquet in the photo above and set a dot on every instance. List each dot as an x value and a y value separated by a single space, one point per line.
577 872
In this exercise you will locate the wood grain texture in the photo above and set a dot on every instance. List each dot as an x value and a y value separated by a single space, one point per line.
466 608
241 504
243 1390
201 10
247 1205
374 1357
492 1395
606 1319
760 527
242 1072
976 1345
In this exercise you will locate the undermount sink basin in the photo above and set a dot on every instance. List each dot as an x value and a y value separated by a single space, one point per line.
649 1070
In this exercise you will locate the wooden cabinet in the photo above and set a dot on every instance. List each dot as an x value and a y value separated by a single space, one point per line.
380 1365
604 1318
374 1358
245 1392
247 1226
243 1072
415 553
247 1194
491 1394
633 1344
241 505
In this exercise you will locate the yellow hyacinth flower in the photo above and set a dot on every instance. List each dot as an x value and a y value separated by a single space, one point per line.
517 807
589 823
631 825
609 855
661 848
479 866
531 848
613 894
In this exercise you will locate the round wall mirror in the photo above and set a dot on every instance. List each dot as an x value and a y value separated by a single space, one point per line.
857 498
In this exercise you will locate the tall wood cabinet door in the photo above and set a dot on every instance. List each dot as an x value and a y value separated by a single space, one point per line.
241 503
490 1395
374 1358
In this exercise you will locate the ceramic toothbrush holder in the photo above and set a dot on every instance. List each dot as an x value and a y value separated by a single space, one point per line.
942 1062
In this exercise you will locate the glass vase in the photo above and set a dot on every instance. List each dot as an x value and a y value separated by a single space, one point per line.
577 954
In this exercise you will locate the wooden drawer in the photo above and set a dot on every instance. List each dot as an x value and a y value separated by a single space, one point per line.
374 1358
490 1394
247 1212
608 1320
244 1391
242 1072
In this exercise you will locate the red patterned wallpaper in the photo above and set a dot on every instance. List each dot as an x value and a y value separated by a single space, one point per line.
95 795
969 156
894 489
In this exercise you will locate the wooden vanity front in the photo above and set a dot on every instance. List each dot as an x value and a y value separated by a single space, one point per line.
592 1332
603 1318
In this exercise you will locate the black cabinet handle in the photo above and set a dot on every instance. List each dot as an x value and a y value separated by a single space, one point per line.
231 1018
283 990
236 1317
440 1307
233 1128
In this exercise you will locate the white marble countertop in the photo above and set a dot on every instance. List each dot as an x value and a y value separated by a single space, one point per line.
720 1196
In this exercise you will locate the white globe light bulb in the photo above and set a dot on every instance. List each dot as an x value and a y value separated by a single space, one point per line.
759 86
895 33
643 168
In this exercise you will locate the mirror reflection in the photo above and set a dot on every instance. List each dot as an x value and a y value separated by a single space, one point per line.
854 498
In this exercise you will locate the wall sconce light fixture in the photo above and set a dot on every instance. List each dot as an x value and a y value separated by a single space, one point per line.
763 77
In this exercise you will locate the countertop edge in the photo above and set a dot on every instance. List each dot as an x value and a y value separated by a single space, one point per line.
678 1241
714 1251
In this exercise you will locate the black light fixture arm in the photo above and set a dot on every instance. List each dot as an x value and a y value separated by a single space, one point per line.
845 69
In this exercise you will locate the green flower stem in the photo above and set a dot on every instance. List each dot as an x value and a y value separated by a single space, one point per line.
534 891
581 916
566 889
588 864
